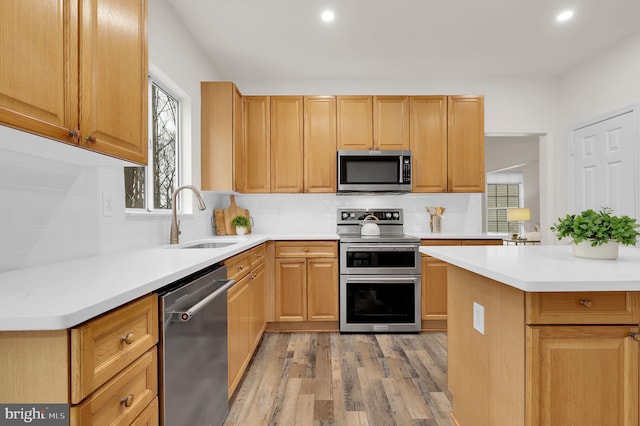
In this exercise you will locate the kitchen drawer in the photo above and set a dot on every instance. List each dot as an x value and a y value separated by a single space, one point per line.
257 255
307 249
150 416
446 242
103 346
482 242
122 399
611 307
238 266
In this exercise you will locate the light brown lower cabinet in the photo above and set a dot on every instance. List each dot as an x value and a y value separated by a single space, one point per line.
238 306
544 359
246 310
306 281
106 369
434 282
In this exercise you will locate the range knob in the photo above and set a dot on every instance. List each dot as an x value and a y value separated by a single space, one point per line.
396 215
352 215
345 215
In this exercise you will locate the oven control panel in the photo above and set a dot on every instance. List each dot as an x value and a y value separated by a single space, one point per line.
351 216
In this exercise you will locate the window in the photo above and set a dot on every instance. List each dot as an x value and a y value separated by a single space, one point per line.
151 187
500 197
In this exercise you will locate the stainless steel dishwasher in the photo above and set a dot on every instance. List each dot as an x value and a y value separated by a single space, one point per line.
194 359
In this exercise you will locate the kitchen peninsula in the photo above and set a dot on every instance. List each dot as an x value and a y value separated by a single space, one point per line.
537 336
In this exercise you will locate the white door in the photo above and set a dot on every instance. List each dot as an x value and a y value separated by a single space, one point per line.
603 164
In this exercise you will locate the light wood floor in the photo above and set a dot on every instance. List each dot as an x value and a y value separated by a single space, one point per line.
301 379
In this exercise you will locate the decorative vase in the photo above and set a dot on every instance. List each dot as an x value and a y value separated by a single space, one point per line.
608 250
241 230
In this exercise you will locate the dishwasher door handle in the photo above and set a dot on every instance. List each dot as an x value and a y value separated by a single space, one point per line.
184 316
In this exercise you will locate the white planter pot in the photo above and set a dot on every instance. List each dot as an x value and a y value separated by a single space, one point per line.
241 230
605 251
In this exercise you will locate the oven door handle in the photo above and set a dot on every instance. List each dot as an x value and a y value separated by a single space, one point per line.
407 247
369 278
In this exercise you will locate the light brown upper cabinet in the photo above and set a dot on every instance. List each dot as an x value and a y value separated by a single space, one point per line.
355 122
373 122
287 157
76 71
320 144
465 144
391 122
221 132
257 145
429 143
39 84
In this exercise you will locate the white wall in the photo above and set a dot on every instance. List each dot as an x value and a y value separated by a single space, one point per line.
605 83
51 194
522 105
508 151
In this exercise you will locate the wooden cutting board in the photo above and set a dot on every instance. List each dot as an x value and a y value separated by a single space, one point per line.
232 211
218 218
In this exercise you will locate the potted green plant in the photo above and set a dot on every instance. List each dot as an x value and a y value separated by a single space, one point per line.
241 223
597 234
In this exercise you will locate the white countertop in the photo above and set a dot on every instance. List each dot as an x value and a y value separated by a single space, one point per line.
545 267
60 295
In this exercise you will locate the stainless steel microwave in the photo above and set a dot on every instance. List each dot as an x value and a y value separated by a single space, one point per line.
374 171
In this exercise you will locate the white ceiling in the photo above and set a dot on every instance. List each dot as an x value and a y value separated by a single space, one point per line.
403 39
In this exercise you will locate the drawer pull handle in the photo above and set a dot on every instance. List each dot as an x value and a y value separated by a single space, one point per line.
587 303
128 338
306 249
127 401
240 267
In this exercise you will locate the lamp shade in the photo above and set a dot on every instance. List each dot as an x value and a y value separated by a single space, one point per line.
519 215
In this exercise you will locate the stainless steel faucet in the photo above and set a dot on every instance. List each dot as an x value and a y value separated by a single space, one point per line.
174 237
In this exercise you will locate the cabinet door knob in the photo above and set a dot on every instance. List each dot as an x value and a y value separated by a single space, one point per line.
127 338
240 267
306 249
587 303
127 401
90 138
74 133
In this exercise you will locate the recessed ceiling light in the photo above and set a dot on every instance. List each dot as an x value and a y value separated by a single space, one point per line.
565 16
328 16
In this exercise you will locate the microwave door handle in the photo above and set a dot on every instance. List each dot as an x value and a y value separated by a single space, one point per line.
401 169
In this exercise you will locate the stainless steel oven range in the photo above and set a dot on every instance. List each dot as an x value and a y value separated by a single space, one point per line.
379 274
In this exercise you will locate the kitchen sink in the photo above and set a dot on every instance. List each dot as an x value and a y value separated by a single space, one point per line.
208 245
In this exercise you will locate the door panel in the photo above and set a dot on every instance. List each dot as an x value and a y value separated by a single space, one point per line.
603 161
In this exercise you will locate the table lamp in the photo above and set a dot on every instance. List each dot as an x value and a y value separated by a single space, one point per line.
519 215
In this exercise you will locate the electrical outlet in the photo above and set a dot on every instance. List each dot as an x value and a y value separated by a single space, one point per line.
107 205
478 317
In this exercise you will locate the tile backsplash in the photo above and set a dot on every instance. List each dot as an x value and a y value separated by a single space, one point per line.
52 211
293 213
